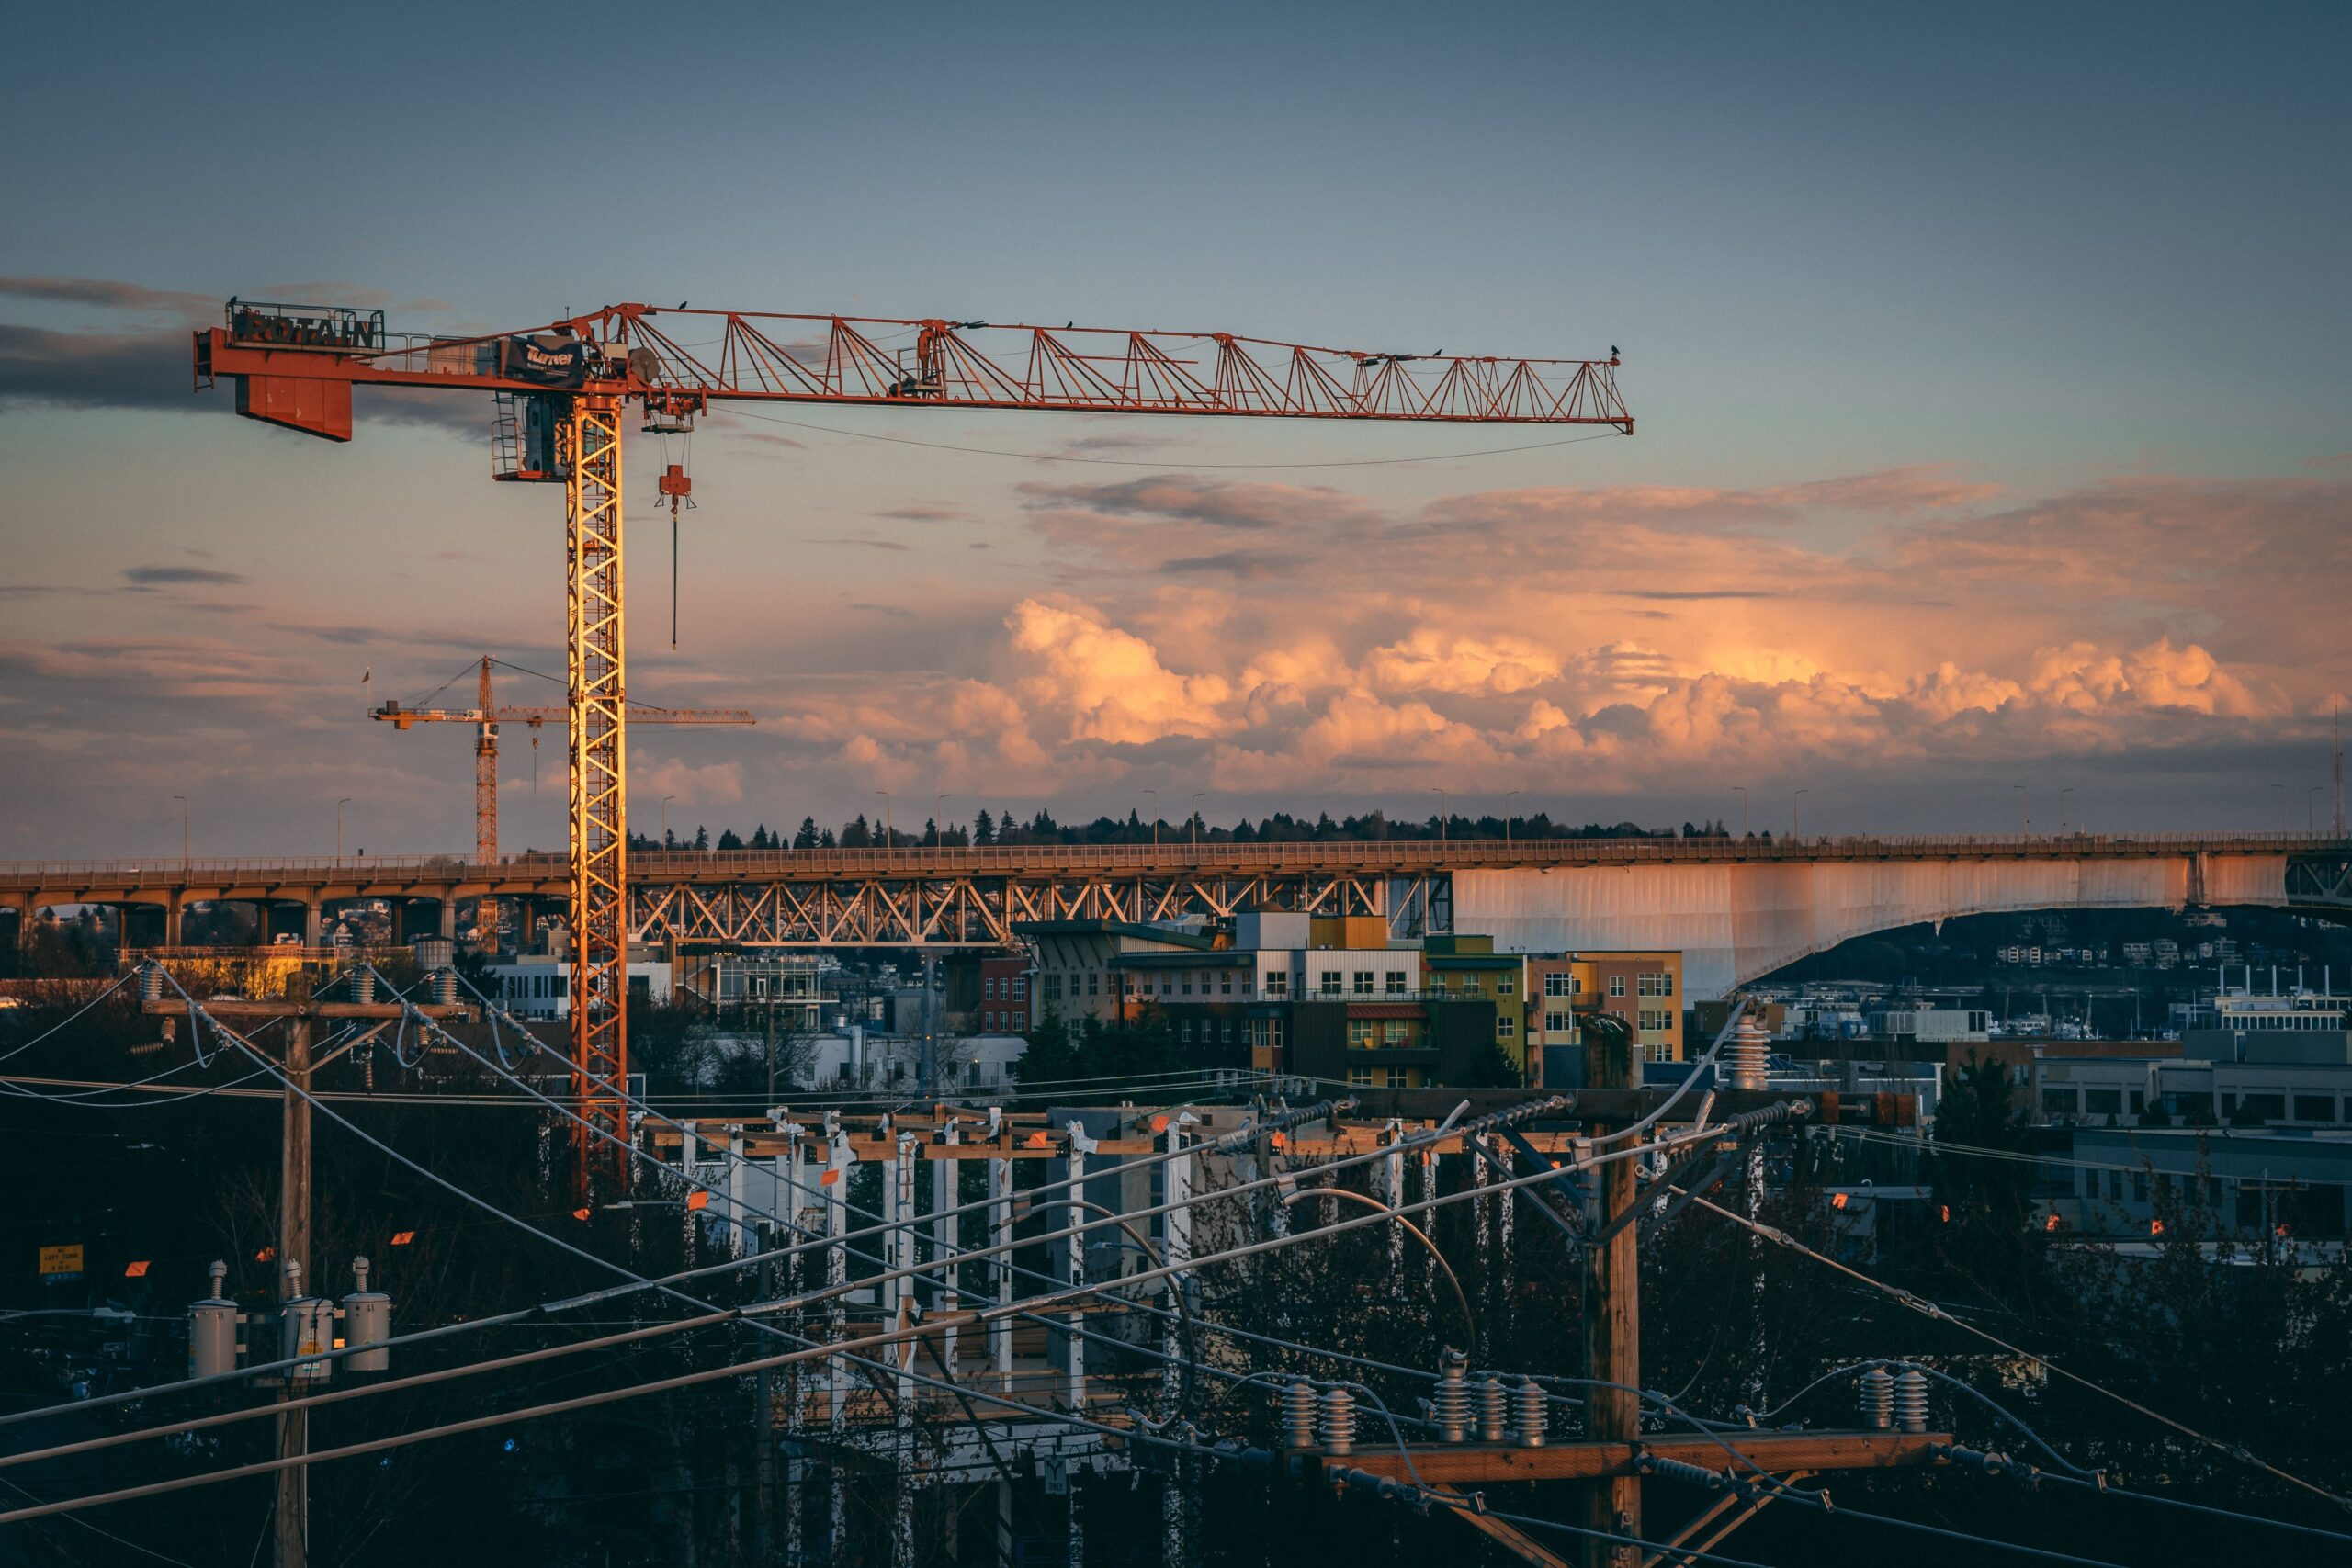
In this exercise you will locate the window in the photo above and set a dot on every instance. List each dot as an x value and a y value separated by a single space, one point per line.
1394 1033
1184 1032
1052 988
1558 1023
1249 978
1616 984
1188 982
1506 1027
1359 1034
1398 1077
987 988
1093 983
2102 1102
1506 984
1658 1051
2315 1108
1225 1031
1330 982
1557 985
1359 1078
2058 1101
1020 987
1364 982
988 1019
1655 985
1278 982
1224 983
1655 1020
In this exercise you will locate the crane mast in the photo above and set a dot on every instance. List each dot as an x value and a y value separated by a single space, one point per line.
486 717
295 366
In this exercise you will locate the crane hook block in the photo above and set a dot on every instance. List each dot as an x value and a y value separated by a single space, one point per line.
676 481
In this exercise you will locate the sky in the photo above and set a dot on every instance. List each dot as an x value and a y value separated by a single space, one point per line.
1992 460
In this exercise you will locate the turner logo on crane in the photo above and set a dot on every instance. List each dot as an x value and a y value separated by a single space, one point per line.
546 361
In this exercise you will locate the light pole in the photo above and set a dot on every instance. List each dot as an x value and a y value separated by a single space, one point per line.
1793 797
1507 800
938 816
1155 817
2062 808
889 839
2025 807
1193 824
183 800
1442 812
1741 790
338 825
665 820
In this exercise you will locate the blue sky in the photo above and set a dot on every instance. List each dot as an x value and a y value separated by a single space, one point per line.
2076 270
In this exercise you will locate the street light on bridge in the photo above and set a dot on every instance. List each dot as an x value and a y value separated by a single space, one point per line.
1441 810
1792 810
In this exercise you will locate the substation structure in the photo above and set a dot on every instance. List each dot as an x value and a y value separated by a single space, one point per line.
1025 1295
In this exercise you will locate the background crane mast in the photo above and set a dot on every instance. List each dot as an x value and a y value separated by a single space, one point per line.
294 366
486 717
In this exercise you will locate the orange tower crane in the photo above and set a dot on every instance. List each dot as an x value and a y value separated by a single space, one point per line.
486 717
561 392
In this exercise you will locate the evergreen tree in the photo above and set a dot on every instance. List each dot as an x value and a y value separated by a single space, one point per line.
825 839
807 838
702 840
1050 1057
984 828
858 836
728 840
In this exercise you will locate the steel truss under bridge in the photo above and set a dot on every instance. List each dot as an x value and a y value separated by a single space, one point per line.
982 912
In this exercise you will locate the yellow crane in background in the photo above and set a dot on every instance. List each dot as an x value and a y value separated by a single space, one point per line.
486 717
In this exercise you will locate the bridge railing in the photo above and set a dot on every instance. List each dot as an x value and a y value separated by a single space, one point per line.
1173 859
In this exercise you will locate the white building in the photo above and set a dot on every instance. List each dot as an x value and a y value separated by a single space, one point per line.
535 987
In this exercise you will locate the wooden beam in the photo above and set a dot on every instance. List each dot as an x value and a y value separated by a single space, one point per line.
1695 1540
1508 1536
1451 1464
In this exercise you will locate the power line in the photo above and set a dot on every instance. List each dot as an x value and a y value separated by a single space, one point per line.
1140 463
1932 1310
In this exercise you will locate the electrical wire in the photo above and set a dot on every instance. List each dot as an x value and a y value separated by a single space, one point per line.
1029 1307
1937 1313
1139 463
119 981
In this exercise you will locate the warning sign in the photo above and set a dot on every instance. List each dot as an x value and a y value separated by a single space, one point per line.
61 1262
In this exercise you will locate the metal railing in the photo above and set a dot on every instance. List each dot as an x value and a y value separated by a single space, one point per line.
1375 856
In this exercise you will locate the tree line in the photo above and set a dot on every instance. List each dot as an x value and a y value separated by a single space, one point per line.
1280 827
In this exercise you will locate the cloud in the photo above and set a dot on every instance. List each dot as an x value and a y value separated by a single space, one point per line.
1111 681
158 576
714 784
93 369
865 544
1218 502
111 295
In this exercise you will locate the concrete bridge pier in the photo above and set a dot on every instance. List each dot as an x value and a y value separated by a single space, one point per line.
314 922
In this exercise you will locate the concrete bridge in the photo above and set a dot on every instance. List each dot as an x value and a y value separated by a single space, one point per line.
1736 908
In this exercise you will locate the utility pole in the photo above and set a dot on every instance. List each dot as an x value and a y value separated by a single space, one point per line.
292 1526
1612 1321
772 1002
298 1009
930 1022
